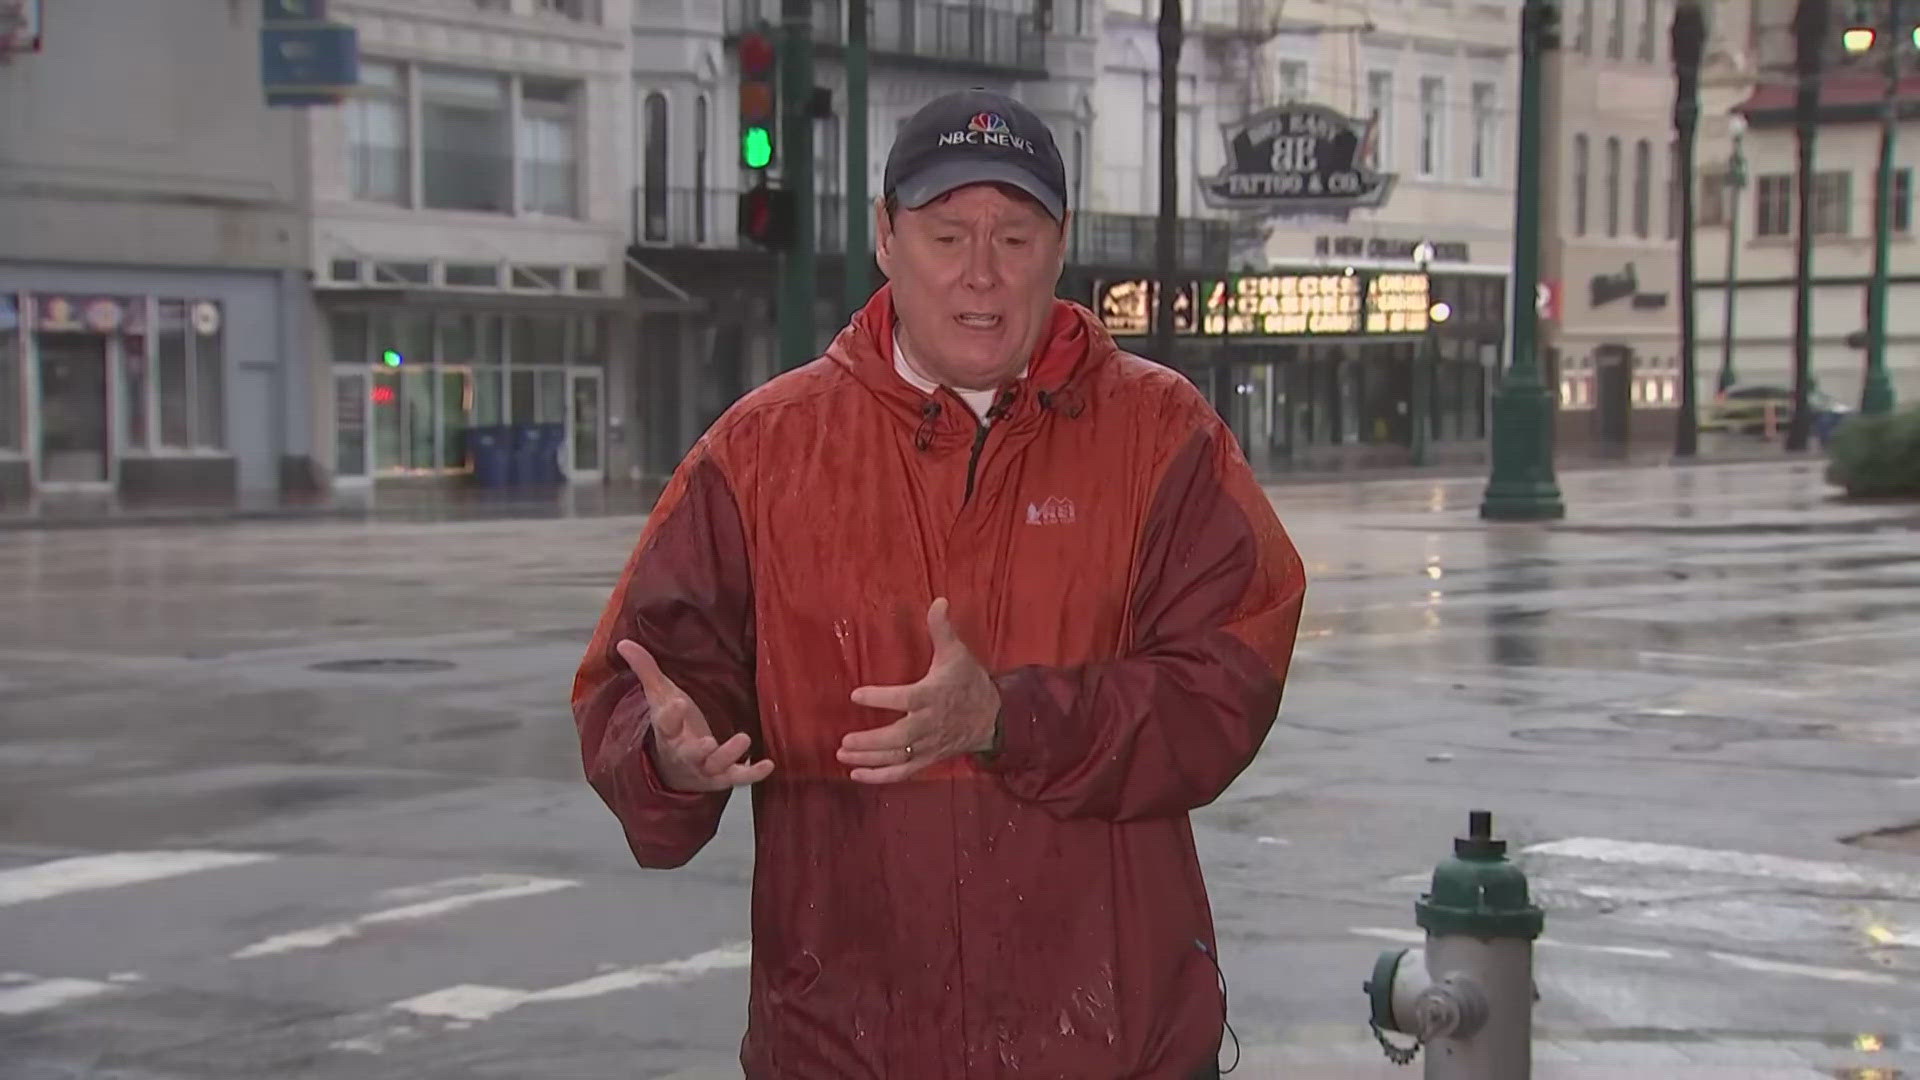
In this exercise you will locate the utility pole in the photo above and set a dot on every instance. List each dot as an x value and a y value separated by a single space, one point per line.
796 170
1166 238
1810 39
1736 181
1687 40
858 282
1876 392
1522 487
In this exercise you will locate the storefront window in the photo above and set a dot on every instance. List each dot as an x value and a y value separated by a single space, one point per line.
349 332
133 410
191 370
12 397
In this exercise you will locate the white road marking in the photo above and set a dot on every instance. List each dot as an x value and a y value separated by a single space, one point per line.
1733 863
474 1003
1418 937
47 994
86 873
492 887
1776 967
1829 639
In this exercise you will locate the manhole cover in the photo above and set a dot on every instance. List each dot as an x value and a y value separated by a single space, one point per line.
383 666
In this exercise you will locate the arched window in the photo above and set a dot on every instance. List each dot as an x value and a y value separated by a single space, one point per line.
653 167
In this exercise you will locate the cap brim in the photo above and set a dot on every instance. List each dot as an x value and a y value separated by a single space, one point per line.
931 183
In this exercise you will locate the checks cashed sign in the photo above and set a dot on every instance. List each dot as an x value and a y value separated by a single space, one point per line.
1299 159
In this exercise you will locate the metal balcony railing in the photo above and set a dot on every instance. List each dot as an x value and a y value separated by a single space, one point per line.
976 34
707 218
1102 239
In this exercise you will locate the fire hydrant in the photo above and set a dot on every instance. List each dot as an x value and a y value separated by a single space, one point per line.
1468 996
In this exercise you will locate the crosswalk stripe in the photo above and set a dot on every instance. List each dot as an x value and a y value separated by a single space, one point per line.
86 873
492 887
473 1003
1732 863
47 994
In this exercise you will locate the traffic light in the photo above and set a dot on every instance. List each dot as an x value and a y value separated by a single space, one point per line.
766 216
759 95
1542 22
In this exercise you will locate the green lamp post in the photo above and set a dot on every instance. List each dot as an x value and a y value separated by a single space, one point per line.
1522 487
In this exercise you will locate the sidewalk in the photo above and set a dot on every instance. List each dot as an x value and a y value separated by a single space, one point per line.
618 498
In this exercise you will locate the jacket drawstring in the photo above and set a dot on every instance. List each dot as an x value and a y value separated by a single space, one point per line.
923 435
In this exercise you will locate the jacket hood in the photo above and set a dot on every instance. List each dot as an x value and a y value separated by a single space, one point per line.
1072 347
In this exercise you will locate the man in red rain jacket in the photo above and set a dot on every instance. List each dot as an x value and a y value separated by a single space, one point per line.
980 608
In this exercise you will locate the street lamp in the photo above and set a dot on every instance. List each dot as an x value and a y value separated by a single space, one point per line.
1522 486
1736 180
1423 362
1687 41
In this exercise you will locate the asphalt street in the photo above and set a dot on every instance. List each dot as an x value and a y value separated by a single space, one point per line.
303 799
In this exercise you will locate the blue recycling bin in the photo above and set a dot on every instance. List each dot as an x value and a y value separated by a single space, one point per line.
525 455
488 452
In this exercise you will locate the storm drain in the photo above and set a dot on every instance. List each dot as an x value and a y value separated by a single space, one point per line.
385 665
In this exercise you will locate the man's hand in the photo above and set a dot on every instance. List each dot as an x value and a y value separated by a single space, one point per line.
684 751
952 711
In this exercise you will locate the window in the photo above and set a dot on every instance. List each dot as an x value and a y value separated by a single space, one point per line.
1832 206
653 167
1380 113
1579 185
1712 208
1642 189
1293 80
1583 26
467 161
1773 205
1617 31
1432 91
1649 22
1613 186
1483 137
1673 189
549 169
1902 216
378 158
577 10
12 400
700 123
192 375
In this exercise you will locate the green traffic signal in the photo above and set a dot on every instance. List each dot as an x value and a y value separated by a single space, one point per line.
756 147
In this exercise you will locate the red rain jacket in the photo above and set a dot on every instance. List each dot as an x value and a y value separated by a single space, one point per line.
1109 557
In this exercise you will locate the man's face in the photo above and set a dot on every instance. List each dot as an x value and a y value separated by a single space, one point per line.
973 274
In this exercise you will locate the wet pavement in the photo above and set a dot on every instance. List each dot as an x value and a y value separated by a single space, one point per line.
302 799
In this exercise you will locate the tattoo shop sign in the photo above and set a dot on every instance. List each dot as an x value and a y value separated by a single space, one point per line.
1300 159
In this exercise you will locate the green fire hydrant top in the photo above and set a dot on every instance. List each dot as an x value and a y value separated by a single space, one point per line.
1478 893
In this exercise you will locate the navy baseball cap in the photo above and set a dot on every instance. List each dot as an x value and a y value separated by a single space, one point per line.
975 137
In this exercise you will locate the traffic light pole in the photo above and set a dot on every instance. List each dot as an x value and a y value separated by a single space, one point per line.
1876 394
1810 37
796 172
1522 487
1165 232
858 282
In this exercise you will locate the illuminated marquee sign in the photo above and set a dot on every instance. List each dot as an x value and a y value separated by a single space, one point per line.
1275 305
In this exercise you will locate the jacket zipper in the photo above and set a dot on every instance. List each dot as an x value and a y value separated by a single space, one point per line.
973 460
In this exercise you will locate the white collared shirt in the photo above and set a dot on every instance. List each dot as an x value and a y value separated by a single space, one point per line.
977 400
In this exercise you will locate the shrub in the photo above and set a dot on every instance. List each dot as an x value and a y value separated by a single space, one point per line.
1877 456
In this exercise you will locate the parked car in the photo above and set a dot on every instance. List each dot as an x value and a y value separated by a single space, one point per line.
1743 409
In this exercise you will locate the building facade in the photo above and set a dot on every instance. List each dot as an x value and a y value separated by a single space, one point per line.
152 258
1748 89
1610 260
1422 92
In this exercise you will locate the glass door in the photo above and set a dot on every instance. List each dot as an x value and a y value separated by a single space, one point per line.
351 449
586 427
76 448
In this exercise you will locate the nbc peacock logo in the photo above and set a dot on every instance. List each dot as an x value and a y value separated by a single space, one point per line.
987 129
987 123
